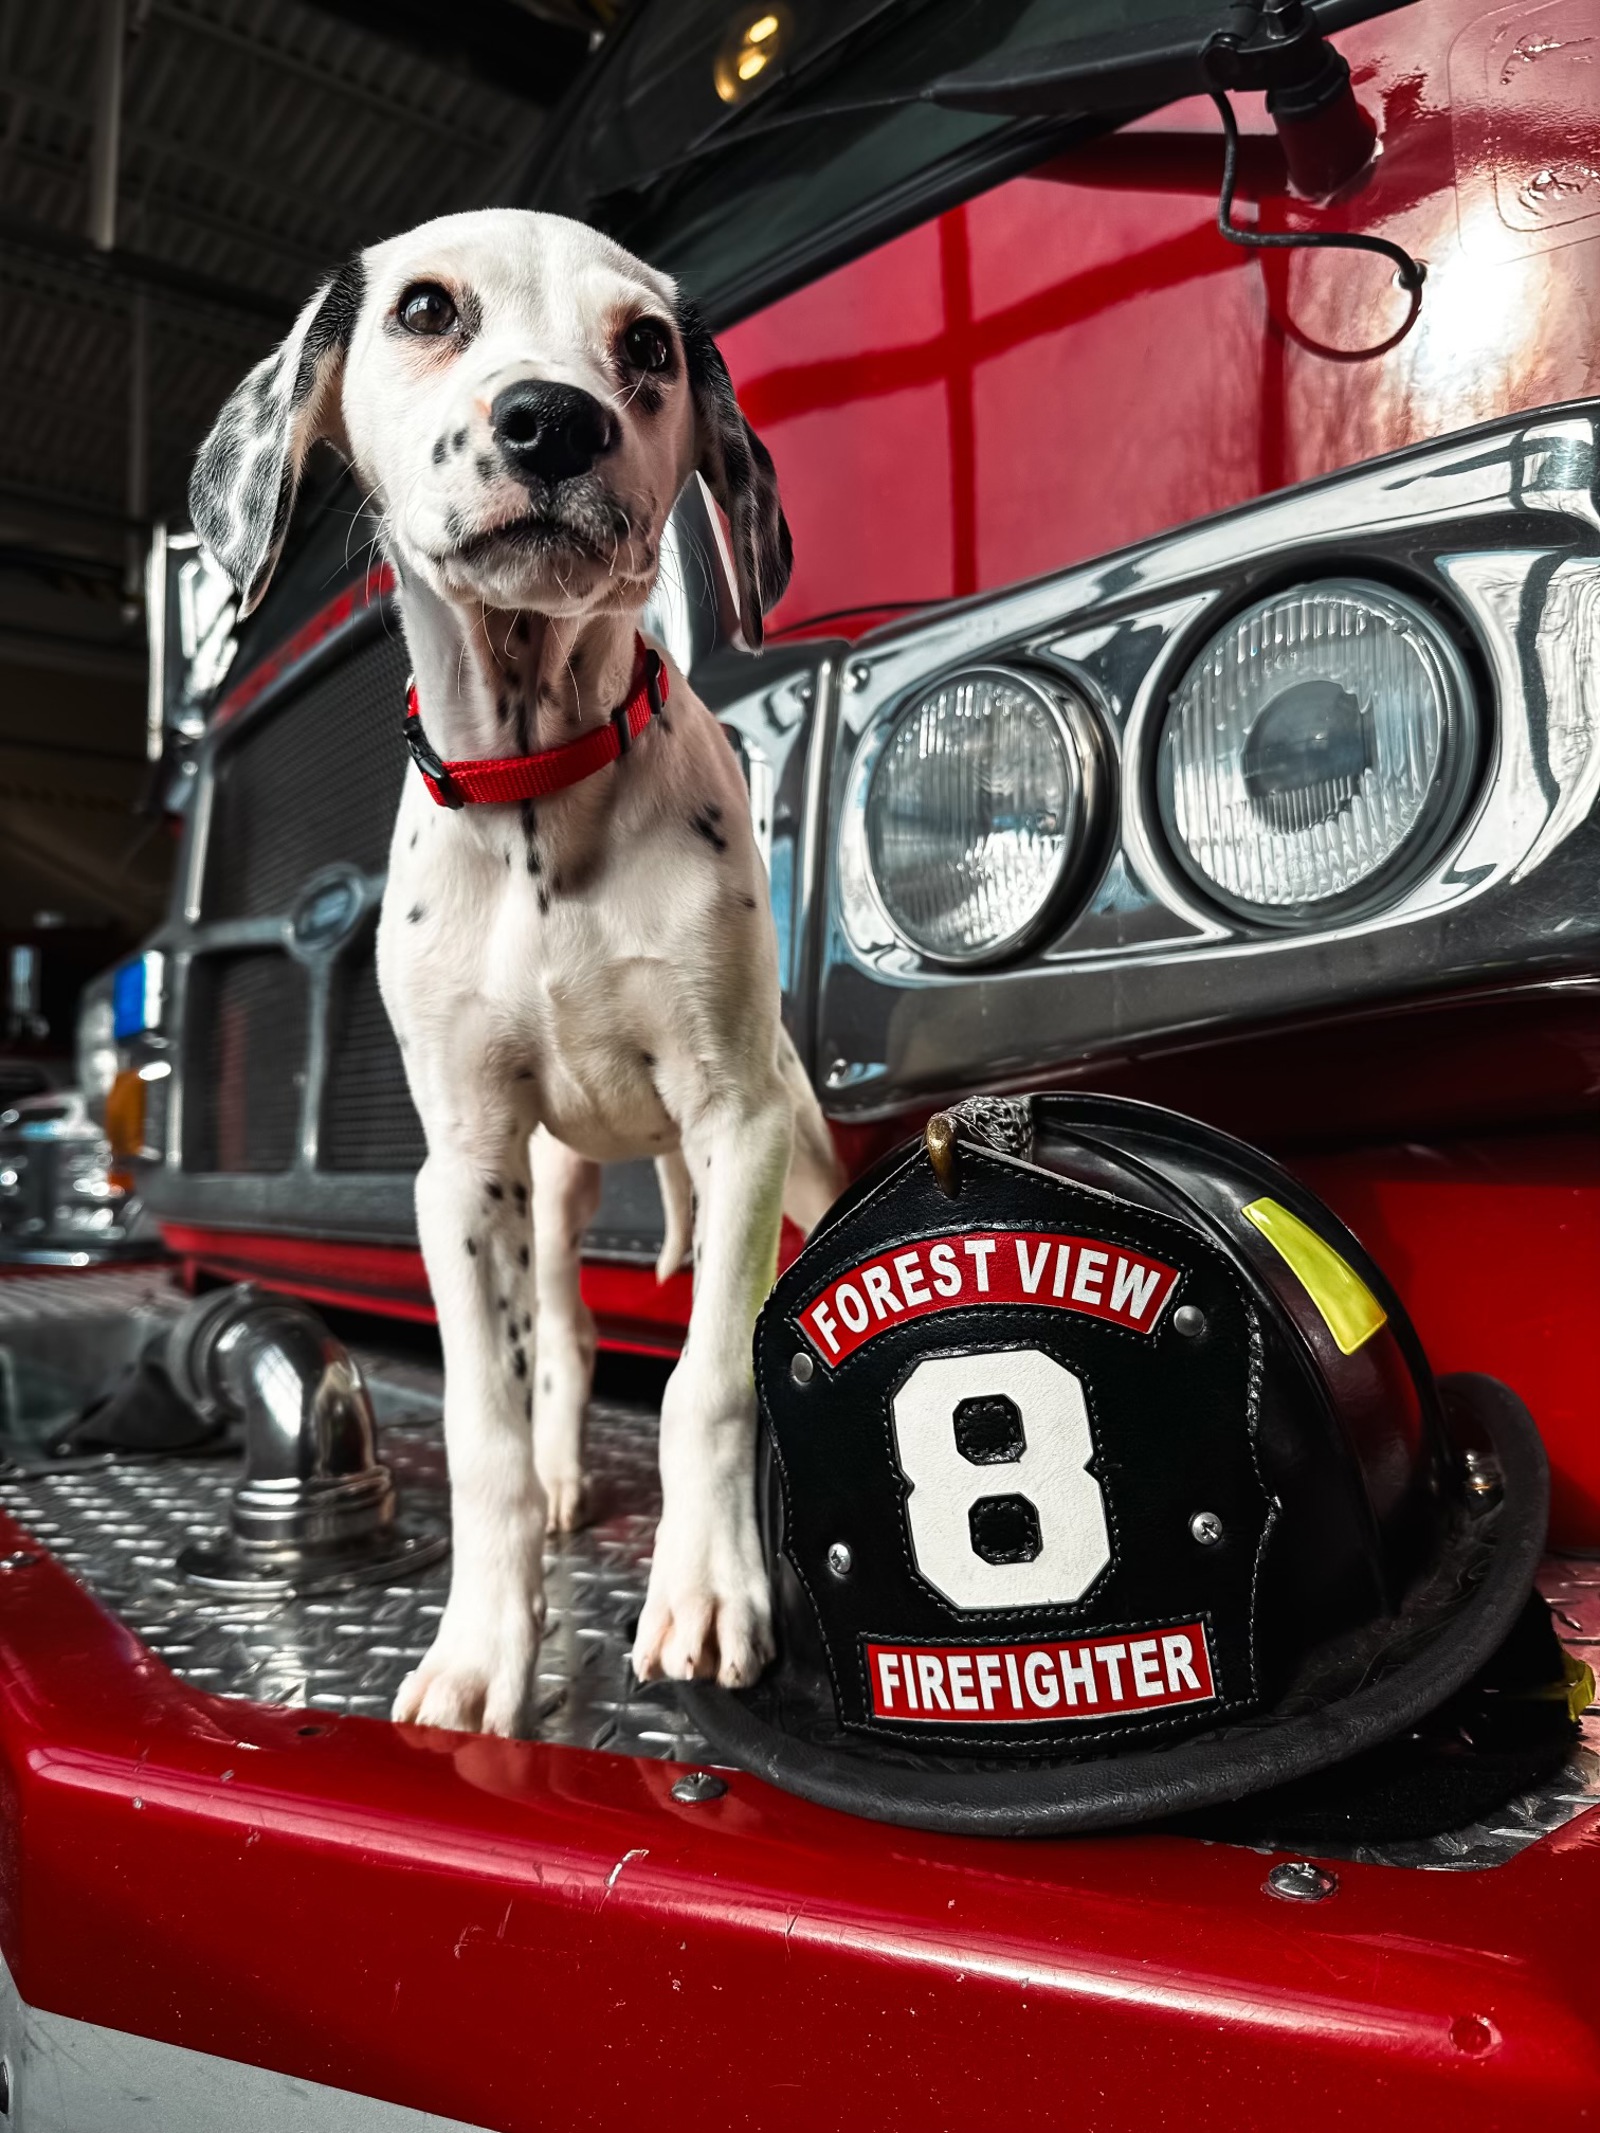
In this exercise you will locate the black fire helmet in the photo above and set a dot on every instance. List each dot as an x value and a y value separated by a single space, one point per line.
1103 1478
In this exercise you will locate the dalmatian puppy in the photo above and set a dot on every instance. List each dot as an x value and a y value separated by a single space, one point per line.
586 977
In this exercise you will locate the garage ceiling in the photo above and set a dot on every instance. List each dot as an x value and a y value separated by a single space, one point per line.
230 151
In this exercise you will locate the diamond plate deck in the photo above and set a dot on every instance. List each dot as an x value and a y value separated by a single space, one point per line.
118 1524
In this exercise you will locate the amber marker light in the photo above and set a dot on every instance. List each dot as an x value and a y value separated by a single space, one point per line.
751 46
125 1126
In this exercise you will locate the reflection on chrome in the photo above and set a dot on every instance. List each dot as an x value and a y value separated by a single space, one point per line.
1488 540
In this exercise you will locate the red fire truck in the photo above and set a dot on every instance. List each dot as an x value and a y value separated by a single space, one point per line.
1246 458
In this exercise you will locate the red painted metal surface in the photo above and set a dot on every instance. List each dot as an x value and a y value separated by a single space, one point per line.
635 1313
378 583
374 1277
1077 359
525 1937
1495 1246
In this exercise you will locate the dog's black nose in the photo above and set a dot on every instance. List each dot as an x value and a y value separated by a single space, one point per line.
550 431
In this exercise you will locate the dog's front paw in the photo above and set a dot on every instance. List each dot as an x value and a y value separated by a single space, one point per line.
566 1499
558 1460
478 1676
707 1615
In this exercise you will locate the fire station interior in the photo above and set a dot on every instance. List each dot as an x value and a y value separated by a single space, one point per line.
1011 1534
175 178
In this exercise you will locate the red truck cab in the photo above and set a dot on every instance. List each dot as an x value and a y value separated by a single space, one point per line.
1051 443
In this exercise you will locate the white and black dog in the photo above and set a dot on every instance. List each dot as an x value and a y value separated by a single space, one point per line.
590 977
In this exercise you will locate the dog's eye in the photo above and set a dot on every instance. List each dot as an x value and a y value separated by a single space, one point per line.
426 309
648 345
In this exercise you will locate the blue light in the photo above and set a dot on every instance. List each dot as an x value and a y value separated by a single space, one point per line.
136 996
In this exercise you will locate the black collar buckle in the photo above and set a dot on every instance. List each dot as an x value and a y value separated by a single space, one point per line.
428 762
652 686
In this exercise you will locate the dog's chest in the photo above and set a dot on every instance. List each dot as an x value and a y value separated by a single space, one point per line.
500 971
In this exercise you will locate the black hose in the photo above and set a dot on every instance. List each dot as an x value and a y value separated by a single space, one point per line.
1408 271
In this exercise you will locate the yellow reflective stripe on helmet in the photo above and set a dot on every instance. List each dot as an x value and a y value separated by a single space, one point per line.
1350 1311
1579 1684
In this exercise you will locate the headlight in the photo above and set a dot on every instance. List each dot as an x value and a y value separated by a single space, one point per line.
1316 748
97 1045
979 813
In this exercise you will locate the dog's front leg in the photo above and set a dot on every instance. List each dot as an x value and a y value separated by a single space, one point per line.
566 1192
707 1612
475 1234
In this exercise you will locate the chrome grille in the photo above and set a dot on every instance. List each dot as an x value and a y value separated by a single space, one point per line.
310 783
368 1120
245 1030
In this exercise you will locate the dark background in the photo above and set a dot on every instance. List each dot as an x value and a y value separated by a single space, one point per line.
175 177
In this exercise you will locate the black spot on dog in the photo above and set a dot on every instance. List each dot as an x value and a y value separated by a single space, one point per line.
523 1074
454 526
508 855
647 1059
527 1403
485 464
519 629
500 1303
519 1362
502 707
495 1189
413 844
544 893
749 903
527 1321
522 1255
438 451
535 866
704 825
472 1248
519 1193
458 442
414 914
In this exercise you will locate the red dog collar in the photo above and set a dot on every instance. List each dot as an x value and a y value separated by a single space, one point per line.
495 781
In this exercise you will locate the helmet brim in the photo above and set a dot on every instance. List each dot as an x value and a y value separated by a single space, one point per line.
1451 1624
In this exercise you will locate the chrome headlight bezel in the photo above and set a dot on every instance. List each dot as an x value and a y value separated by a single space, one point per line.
1443 807
1494 529
1082 754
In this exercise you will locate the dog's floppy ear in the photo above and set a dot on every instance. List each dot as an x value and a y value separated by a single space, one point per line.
243 486
737 468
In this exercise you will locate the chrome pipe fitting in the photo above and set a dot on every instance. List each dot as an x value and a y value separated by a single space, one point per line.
314 1509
